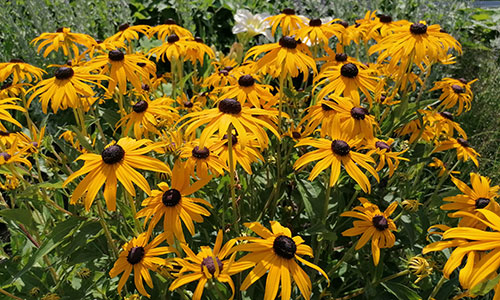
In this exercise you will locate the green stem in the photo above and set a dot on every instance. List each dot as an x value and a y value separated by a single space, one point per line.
138 228
326 201
107 233
9 294
339 263
437 288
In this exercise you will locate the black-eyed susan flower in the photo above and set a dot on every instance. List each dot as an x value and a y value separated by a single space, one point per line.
277 253
355 120
283 58
442 123
67 89
380 25
454 91
373 225
322 114
147 114
383 148
414 43
464 150
248 90
62 38
420 267
201 159
346 80
128 33
244 156
221 77
20 71
196 103
168 28
117 161
121 67
287 20
318 32
174 204
15 154
33 142
481 247
297 132
140 256
443 169
196 50
230 112
208 264
332 58
334 153
173 48
480 196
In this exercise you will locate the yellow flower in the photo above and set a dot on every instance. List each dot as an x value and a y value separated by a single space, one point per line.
174 48
278 253
196 50
62 38
19 71
411 205
481 196
380 25
202 159
248 90
383 148
415 43
346 80
139 256
374 225
334 153
283 58
453 91
145 116
9 103
168 28
173 205
437 163
420 267
322 114
117 161
464 150
208 264
128 33
230 111
66 89
318 32
121 67
287 20
355 120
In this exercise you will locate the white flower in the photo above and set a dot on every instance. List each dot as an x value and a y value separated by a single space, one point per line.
250 24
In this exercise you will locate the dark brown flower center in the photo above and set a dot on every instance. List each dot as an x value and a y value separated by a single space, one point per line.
457 89
463 142
343 23
5 155
208 262
284 247
382 145
296 135
200 154
288 11
228 68
482 202
188 104
385 18
140 106
64 73
234 139
224 72
230 106
113 154
340 57
171 198
447 115
16 60
382 98
380 223
418 28
315 22
288 42
462 80
145 87
123 27
349 70
116 55
170 22
172 38
359 113
198 39
60 29
340 147
135 255
246 81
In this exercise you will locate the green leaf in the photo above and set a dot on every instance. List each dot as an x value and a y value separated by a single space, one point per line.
402 292
485 287
18 215
53 240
